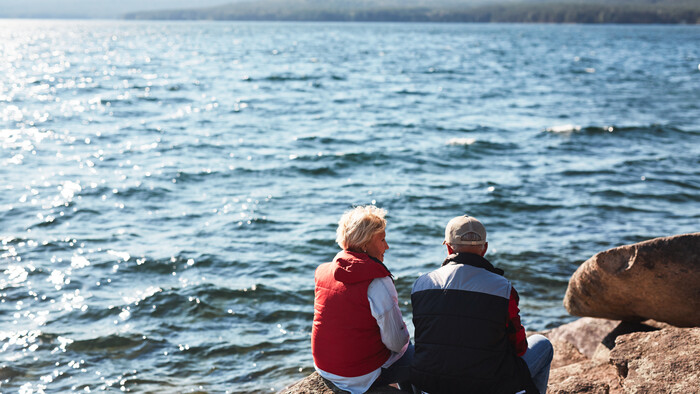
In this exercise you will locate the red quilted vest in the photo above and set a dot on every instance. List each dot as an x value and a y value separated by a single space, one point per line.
345 338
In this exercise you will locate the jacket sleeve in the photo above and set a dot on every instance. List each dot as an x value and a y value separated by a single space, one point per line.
384 304
516 331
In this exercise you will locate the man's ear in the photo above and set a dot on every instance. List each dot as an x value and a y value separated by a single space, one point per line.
486 246
449 249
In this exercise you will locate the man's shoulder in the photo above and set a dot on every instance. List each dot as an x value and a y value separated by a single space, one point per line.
433 277
463 277
420 282
435 272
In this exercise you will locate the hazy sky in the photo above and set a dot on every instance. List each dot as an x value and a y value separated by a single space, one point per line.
93 8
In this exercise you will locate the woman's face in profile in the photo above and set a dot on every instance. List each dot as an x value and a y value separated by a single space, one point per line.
377 245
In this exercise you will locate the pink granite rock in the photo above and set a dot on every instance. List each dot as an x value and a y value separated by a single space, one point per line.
657 279
585 333
665 361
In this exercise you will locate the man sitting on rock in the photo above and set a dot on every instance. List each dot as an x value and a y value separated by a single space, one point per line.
468 336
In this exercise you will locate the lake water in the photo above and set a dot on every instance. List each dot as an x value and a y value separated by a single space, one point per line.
169 188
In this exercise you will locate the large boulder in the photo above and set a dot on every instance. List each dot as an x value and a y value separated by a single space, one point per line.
657 279
664 361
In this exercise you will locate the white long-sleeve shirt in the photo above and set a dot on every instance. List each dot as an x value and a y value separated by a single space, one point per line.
384 305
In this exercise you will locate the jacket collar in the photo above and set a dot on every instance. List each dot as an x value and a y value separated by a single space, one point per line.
472 259
352 267
382 264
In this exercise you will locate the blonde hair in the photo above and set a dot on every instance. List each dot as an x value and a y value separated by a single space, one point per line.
357 227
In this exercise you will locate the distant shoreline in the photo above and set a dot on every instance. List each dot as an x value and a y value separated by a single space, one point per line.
514 13
91 19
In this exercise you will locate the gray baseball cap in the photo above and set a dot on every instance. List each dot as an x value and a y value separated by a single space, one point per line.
465 230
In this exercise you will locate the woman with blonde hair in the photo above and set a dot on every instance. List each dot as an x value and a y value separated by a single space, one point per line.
359 338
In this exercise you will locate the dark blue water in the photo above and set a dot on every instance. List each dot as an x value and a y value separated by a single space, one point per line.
169 188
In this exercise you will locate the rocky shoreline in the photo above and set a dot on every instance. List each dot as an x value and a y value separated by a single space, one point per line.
606 356
641 327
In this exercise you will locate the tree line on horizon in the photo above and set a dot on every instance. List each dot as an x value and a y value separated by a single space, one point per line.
661 13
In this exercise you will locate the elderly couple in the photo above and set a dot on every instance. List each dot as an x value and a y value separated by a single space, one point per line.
468 336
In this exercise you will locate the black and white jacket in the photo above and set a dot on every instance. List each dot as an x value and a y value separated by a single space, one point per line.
460 313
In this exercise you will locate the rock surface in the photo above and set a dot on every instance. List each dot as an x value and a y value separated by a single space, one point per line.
585 334
565 354
631 358
573 368
657 279
315 384
587 376
664 361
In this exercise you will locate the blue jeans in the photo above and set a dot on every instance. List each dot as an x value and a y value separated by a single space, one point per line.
398 372
538 359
